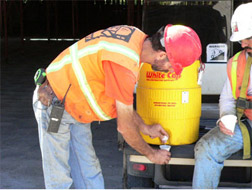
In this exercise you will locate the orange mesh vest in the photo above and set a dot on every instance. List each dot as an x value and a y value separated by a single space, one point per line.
235 70
81 66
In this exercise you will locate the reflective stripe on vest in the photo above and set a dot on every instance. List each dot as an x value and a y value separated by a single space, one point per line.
234 74
112 47
73 59
85 88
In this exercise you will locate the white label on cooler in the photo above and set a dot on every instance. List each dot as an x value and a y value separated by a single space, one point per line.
185 97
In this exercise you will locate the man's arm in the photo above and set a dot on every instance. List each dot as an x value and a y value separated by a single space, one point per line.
127 126
153 131
227 106
227 102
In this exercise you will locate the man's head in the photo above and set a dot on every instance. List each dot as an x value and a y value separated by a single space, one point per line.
179 45
241 24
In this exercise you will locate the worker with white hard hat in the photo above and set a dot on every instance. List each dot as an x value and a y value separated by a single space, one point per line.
235 102
94 80
241 23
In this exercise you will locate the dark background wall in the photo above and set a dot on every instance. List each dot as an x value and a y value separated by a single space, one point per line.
51 18
67 18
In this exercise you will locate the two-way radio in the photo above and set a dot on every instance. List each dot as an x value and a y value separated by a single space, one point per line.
58 108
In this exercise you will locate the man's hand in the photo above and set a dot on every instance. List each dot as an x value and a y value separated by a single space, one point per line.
127 125
156 130
160 156
248 113
45 94
224 129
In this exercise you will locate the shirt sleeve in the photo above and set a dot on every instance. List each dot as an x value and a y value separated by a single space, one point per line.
227 102
119 82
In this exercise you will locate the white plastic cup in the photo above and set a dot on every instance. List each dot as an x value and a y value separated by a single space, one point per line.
229 121
165 147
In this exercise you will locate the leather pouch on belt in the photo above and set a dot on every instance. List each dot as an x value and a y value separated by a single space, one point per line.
45 94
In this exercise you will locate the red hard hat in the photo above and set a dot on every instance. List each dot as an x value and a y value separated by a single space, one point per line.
182 45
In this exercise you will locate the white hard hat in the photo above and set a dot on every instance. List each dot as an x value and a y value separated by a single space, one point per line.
241 22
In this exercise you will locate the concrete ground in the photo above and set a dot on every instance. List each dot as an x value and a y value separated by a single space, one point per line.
20 159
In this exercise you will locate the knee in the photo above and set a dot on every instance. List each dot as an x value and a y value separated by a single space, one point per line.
201 149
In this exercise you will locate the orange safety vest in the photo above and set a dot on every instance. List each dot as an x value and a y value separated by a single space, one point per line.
235 70
81 66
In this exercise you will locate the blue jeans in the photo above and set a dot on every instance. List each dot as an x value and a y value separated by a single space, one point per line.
68 157
210 153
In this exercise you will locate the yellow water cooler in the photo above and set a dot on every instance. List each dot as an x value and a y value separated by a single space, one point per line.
172 100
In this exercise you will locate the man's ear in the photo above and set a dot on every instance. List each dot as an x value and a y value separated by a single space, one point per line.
161 55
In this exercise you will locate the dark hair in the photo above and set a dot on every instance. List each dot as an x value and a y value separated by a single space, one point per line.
155 39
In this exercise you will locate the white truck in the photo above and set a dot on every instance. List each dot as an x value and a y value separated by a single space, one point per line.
211 20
